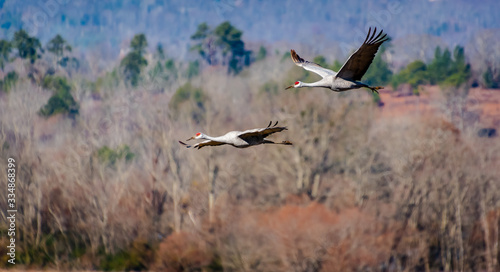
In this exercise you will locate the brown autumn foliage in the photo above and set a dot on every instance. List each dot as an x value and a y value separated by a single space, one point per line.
180 252
405 187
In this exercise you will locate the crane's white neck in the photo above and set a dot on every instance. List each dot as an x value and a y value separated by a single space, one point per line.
321 83
206 137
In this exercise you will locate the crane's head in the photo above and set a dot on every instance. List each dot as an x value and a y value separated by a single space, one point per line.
197 136
297 84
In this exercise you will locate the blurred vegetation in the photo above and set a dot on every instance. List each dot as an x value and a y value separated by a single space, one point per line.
158 72
286 56
111 156
193 98
443 70
108 81
491 79
336 65
58 46
133 63
136 257
222 45
270 87
414 74
61 101
261 54
5 49
8 81
27 47
193 69
171 68
321 61
160 53
139 43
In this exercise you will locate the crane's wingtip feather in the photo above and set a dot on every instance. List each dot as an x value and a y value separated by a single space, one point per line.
296 58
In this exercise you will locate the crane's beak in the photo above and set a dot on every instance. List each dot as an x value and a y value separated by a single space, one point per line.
291 86
190 139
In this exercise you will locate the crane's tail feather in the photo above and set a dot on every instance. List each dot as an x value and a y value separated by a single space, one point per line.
286 143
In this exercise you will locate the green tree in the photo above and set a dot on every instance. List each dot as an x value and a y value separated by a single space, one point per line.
459 70
439 66
132 65
443 70
414 74
221 45
58 45
61 101
233 48
27 47
205 43
139 43
133 62
5 49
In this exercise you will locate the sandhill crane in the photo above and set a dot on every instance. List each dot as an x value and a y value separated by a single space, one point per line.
240 139
352 71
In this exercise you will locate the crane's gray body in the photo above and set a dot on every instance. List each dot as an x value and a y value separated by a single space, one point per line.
338 84
233 138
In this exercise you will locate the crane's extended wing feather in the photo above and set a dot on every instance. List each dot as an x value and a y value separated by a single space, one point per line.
260 132
358 63
310 66
203 144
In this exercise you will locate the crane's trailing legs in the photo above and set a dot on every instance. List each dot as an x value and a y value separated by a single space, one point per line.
375 89
271 142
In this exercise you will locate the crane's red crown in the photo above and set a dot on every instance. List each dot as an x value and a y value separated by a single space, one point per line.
296 82
198 134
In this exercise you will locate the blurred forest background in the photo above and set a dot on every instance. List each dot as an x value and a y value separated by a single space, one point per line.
94 96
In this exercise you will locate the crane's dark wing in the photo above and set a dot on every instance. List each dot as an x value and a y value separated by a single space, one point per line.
358 63
203 144
261 132
310 66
